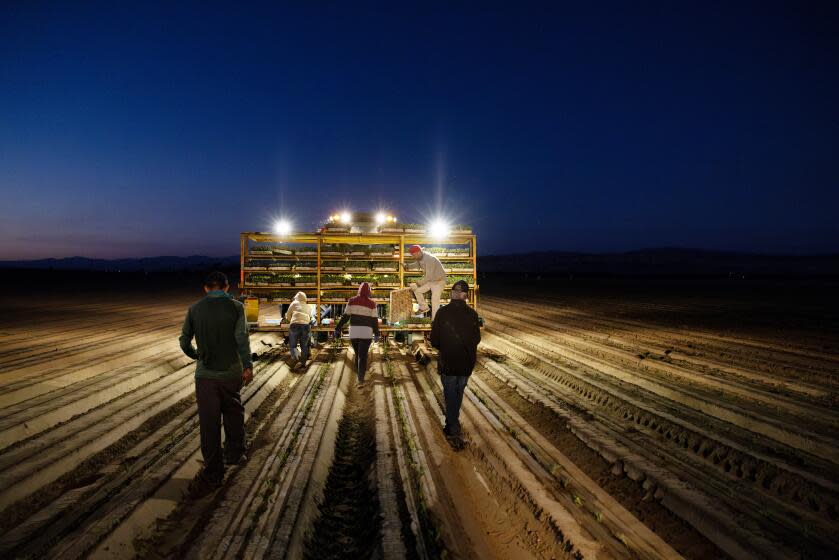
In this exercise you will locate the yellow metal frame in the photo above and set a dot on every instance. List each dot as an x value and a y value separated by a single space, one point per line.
328 238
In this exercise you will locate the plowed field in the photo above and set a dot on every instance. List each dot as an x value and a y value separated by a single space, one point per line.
596 426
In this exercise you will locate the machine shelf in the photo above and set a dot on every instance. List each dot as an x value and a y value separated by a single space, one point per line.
403 266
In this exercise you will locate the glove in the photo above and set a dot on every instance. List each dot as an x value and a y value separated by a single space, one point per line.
376 338
337 333
413 285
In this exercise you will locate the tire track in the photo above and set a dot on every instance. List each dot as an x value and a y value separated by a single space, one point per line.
710 463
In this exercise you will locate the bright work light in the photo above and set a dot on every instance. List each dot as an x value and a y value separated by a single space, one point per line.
346 217
439 228
381 218
282 227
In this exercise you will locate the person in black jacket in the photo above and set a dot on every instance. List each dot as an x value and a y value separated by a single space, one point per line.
455 332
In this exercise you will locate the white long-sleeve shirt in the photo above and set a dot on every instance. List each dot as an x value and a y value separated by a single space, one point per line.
432 269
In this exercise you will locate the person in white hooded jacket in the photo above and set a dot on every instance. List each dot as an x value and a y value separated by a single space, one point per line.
299 319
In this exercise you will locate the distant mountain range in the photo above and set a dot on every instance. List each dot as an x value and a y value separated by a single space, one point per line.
148 264
661 262
665 261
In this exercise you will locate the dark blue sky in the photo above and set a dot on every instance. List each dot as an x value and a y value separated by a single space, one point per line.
138 131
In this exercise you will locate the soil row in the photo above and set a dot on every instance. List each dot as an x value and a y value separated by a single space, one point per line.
772 490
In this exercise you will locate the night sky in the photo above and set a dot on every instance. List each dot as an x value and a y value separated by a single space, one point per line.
141 131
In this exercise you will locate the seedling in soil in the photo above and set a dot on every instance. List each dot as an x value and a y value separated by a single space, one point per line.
427 524
387 279
333 279
622 538
261 250
451 279
457 265
352 266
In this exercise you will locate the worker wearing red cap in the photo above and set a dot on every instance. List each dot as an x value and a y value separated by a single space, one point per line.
433 279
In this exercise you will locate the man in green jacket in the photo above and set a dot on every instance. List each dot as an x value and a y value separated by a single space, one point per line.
217 322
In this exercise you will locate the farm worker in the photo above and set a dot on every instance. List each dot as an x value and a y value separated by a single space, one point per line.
363 316
299 319
455 332
433 279
217 322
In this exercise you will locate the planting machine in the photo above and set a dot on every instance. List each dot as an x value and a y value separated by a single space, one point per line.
347 249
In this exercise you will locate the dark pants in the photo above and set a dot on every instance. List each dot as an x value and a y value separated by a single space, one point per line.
453 387
299 334
219 400
361 347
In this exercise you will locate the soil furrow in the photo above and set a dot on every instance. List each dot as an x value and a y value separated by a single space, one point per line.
597 424
349 521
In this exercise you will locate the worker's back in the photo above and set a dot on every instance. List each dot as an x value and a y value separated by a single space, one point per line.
432 268
456 333
298 311
214 323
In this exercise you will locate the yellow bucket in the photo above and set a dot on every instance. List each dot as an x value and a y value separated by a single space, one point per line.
252 309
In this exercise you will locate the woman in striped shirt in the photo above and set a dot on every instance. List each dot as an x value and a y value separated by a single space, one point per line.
362 314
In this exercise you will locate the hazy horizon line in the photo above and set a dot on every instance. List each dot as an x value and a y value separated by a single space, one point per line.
523 253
